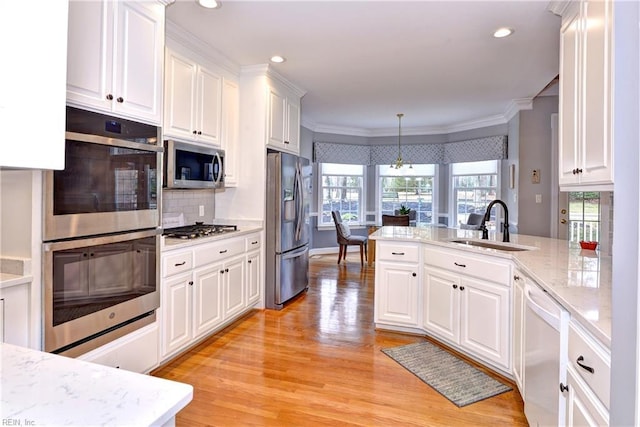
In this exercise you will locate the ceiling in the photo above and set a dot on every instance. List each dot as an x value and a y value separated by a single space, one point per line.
362 62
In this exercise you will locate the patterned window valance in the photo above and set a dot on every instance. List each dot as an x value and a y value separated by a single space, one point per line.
418 154
473 150
330 152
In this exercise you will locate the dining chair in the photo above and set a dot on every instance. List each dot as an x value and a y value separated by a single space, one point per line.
345 238
395 220
473 222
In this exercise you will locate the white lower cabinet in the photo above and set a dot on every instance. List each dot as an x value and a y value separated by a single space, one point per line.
205 288
588 379
135 352
397 280
518 329
233 281
583 408
15 314
470 313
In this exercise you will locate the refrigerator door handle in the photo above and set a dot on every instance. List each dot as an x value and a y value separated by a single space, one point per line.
299 201
295 253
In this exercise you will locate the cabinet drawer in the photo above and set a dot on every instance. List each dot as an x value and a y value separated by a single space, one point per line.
584 349
404 252
177 263
216 251
253 242
483 268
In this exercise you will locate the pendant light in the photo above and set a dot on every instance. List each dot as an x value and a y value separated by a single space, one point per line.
399 162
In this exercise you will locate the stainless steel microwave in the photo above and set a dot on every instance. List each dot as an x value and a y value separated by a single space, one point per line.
192 166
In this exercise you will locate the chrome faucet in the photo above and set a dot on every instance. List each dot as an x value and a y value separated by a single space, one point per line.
487 216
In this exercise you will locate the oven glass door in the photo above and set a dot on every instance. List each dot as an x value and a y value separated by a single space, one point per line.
94 284
104 178
107 186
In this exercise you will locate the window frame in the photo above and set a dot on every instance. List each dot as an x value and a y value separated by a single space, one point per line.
453 208
403 173
362 203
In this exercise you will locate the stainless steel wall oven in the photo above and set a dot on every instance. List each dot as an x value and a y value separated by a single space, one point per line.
102 233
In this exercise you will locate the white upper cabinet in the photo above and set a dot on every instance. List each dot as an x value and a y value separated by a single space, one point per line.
32 83
115 58
230 130
193 107
284 119
586 139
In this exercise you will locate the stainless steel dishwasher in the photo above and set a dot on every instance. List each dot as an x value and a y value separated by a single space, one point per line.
545 357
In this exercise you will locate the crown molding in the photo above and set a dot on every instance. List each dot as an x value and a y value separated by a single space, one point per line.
259 70
517 105
514 107
186 39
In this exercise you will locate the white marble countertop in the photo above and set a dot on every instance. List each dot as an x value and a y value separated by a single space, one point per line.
14 271
580 280
171 243
44 389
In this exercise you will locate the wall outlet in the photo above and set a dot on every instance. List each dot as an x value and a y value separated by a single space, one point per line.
201 210
538 198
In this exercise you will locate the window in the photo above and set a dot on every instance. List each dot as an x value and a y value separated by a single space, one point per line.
475 185
341 189
411 187
584 216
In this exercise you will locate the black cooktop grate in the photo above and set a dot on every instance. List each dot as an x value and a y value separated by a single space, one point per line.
198 230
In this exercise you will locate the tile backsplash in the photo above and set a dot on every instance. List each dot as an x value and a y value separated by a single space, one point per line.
188 202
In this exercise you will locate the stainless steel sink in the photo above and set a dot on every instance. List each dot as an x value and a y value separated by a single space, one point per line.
491 245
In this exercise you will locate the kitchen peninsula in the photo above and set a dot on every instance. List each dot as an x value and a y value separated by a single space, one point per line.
536 309
578 279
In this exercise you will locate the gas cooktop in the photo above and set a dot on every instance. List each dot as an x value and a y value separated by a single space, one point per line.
198 230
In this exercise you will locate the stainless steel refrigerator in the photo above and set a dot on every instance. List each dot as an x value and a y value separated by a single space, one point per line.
287 228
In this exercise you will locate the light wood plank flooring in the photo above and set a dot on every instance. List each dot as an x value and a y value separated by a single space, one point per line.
318 362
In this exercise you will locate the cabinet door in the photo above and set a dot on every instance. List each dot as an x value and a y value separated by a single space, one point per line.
596 155
89 53
234 281
253 278
484 320
441 296
277 111
180 91
518 330
583 408
208 109
398 299
176 312
207 299
139 60
569 92
293 125
15 315
230 130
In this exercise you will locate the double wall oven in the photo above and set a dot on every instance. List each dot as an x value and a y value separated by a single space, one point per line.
102 231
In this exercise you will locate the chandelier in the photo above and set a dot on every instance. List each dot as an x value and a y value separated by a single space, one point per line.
399 162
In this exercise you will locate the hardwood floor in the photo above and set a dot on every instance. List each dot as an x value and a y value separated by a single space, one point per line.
318 362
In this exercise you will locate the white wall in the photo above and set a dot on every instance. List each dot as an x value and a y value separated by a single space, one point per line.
15 207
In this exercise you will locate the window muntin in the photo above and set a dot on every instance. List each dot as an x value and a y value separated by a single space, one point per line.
411 187
474 186
584 216
341 189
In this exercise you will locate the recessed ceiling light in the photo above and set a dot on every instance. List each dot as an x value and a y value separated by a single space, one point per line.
277 59
502 32
209 4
